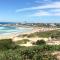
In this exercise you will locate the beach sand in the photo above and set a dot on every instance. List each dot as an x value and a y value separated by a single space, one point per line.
14 35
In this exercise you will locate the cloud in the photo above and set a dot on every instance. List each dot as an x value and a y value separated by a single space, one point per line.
55 5
45 13
40 13
53 10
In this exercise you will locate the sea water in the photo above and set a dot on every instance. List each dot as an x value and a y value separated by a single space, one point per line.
8 29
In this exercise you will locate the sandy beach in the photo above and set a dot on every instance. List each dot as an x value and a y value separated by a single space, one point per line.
15 34
15 38
33 30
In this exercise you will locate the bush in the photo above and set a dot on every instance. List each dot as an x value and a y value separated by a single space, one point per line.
45 34
25 53
7 44
40 42
24 41
39 52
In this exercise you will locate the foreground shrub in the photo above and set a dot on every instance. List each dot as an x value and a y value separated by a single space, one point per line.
26 54
7 44
40 42
14 52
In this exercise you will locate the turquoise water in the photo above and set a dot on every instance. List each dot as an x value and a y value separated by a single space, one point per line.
8 29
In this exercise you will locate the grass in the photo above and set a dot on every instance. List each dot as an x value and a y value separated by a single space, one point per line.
7 44
46 34
10 51
24 41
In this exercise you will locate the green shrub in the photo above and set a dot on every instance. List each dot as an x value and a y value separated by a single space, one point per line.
40 42
24 41
14 52
7 44
45 34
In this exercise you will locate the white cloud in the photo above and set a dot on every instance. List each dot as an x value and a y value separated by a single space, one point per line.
53 9
41 13
44 13
55 5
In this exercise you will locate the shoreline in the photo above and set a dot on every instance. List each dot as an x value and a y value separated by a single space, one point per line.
15 34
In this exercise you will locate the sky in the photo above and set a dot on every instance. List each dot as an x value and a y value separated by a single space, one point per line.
38 11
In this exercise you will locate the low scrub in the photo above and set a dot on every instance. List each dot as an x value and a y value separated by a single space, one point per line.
7 44
26 53
46 34
39 42
24 41
40 52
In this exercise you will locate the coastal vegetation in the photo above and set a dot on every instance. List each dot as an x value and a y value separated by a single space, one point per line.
53 34
11 51
40 42
7 44
24 41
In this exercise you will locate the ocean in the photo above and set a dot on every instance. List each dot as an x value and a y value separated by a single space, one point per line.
11 29
7 22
